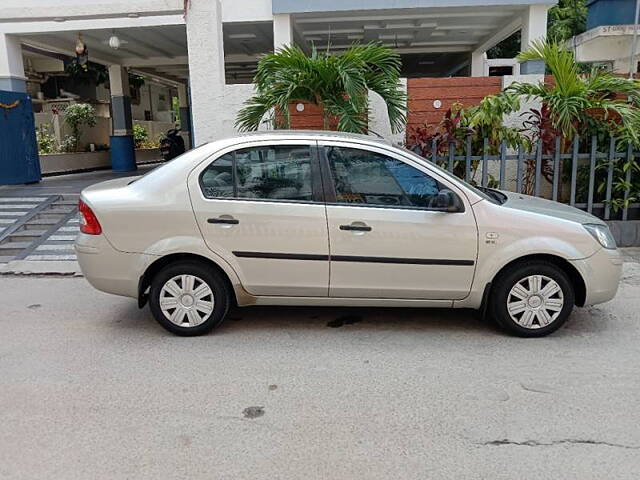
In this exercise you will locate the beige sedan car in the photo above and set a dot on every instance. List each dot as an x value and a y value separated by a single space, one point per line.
328 219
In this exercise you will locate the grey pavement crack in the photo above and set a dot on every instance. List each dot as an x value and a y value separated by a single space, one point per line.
571 441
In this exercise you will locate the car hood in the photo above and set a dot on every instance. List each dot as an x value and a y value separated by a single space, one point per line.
527 203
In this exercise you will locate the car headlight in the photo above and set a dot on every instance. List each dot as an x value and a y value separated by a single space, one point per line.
602 234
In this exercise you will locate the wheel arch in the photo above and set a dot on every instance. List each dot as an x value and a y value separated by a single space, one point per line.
579 285
147 277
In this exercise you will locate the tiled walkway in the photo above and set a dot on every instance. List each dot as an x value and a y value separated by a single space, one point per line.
38 227
39 222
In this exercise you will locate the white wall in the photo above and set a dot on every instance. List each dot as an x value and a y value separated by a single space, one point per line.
16 9
234 97
246 10
150 94
613 49
379 118
232 10
515 119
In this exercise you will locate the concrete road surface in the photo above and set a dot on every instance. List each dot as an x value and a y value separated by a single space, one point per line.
92 388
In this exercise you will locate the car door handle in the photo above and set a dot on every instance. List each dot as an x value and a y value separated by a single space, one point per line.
227 221
356 228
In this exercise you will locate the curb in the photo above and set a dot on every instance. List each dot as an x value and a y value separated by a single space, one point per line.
40 267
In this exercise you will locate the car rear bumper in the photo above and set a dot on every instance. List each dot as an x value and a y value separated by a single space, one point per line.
601 273
108 269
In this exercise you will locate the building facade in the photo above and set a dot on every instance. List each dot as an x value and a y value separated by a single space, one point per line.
608 41
205 51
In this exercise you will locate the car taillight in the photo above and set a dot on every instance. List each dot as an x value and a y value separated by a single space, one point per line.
89 224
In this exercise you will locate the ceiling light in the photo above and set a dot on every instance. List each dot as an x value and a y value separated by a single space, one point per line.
133 15
114 42
59 19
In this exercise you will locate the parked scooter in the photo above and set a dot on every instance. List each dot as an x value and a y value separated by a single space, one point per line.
172 144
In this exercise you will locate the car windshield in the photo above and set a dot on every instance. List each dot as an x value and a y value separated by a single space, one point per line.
489 194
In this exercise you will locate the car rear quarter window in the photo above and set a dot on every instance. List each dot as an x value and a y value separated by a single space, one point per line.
281 172
217 179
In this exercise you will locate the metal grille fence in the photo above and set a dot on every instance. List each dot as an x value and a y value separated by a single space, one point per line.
594 160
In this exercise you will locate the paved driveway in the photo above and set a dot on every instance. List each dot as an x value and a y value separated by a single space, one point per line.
91 387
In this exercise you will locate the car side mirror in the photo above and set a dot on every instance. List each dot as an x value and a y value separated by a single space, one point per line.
447 201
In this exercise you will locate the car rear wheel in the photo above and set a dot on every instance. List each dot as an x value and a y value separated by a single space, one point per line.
188 299
532 299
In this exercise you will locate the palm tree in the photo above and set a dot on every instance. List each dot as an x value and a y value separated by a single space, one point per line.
577 100
587 104
337 83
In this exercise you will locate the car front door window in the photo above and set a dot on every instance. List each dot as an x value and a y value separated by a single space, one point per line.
369 178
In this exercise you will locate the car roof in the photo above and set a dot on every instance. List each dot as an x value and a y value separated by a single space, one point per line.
313 134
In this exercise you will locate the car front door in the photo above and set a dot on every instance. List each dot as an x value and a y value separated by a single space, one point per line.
387 239
260 207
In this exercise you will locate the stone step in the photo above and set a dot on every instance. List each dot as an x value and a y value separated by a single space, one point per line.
10 207
5 259
21 199
39 223
26 233
13 248
56 211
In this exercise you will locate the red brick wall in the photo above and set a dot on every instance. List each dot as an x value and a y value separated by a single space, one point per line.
309 119
422 92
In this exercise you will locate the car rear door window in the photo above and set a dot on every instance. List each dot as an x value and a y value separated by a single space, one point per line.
362 177
278 172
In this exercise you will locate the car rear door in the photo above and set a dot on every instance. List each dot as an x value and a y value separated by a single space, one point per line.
386 238
260 207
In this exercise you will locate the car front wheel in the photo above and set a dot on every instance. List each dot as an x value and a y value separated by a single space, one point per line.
532 299
188 299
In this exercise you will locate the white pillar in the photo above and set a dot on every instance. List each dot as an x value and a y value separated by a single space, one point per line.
12 77
534 27
120 100
282 30
185 114
478 62
118 81
206 68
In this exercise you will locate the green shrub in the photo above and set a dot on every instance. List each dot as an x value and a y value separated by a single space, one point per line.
69 144
140 135
46 140
77 116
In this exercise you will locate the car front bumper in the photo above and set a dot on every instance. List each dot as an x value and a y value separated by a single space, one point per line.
601 273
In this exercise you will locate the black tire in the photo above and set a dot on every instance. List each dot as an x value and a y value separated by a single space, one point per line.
514 274
221 297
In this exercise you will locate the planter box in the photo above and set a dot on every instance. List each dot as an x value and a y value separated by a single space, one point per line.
59 163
